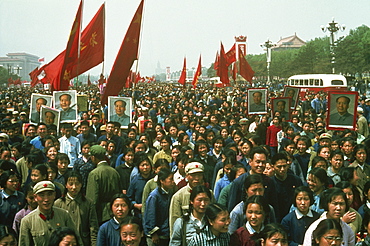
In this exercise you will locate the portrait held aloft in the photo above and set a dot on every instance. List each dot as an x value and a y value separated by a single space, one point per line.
281 105
119 110
293 93
66 101
38 100
50 116
257 101
342 110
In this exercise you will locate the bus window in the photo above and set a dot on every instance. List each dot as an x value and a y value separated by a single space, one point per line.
321 83
336 82
306 82
301 82
316 82
311 82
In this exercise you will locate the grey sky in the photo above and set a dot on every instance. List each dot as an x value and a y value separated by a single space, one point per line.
173 29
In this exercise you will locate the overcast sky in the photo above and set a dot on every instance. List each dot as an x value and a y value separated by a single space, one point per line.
173 29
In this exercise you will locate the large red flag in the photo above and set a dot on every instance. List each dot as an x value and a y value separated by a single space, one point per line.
125 58
231 56
197 73
182 79
223 71
72 53
91 50
234 71
33 76
245 70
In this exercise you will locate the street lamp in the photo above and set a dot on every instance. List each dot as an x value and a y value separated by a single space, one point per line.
333 27
18 69
268 45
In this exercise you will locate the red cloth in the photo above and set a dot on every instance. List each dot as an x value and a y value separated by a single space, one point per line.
126 56
231 56
182 79
245 70
33 76
197 73
271 135
223 71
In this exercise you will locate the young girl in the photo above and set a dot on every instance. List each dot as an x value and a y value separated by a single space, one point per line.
179 175
297 221
215 233
82 209
156 215
256 209
135 190
165 153
349 174
336 163
124 167
51 153
131 231
272 234
224 176
271 135
303 158
109 232
317 182
62 164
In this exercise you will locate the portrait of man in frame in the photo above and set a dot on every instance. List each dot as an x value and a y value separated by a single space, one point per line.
66 102
342 110
38 100
119 109
257 101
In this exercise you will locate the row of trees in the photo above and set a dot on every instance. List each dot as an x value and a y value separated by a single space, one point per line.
352 54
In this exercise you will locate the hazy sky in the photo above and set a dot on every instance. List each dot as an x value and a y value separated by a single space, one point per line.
173 29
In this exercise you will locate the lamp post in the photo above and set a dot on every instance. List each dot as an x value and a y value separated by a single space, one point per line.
333 27
268 45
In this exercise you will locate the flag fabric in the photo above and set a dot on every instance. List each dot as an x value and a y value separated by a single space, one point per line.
231 55
72 53
41 59
33 76
182 79
245 70
223 71
10 82
126 56
138 78
215 65
234 71
91 50
197 73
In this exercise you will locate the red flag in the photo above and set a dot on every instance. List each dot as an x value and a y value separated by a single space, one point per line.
215 65
231 56
41 59
33 76
138 78
245 69
17 82
125 58
182 79
223 71
235 70
72 53
10 82
197 73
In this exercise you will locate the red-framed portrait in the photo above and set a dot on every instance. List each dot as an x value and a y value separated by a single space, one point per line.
281 105
342 110
293 93
257 101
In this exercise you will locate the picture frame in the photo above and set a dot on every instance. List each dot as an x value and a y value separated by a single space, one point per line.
293 93
66 102
342 110
82 103
119 110
50 116
282 105
37 100
257 101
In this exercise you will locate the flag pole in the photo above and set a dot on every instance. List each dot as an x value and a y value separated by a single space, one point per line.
102 69
79 46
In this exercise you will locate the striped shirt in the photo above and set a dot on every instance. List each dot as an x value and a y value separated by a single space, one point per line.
207 238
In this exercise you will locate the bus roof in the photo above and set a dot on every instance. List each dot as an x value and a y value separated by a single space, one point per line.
318 76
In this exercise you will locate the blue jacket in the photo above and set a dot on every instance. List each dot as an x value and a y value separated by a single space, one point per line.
108 234
156 216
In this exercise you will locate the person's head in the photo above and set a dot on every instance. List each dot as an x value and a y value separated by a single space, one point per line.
129 156
324 151
303 199
73 181
346 145
342 104
302 144
200 198
120 206
85 128
257 97
218 218
131 231
253 185
281 166
49 118
258 158
317 180
201 148
44 196
63 236
194 174
319 161
360 153
52 171
42 129
280 106
256 210
346 187
120 107
143 163
39 173
9 181
39 102
7 236
165 179
166 143
334 202
65 101
291 93
349 174
62 160
328 232
272 234
97 153
336 160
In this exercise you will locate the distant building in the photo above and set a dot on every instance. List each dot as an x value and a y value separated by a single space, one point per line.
288 43
20 63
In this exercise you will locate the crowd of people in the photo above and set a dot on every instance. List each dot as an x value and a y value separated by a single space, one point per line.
192 167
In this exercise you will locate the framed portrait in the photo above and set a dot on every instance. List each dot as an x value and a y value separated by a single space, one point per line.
342 110
257 101
281 105
82 103
119 110
37 100
50 116
293 93
66 102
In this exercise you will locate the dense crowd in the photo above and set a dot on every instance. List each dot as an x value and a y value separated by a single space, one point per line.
191 168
